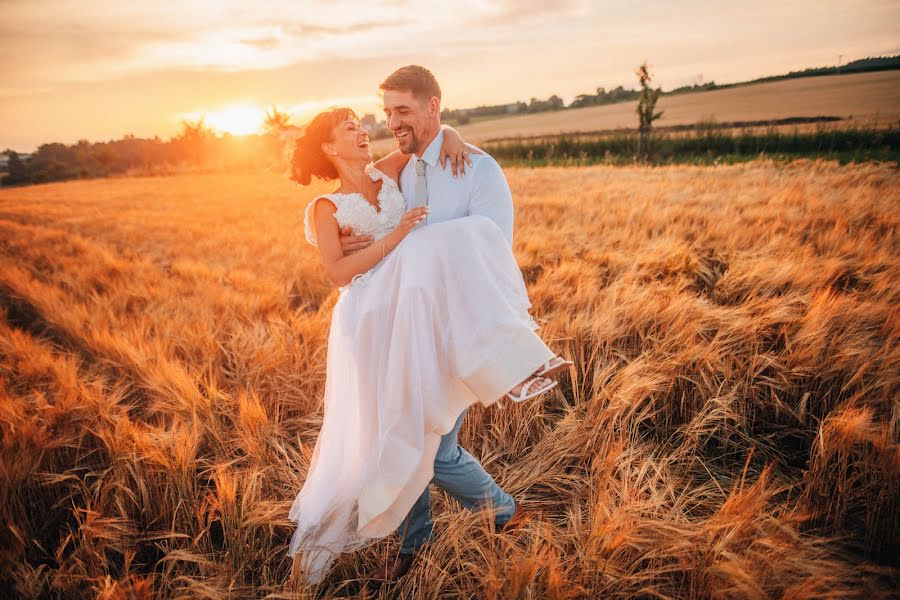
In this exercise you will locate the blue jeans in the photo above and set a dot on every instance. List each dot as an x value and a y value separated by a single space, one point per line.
458 473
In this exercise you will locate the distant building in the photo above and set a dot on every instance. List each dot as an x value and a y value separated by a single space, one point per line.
369 122
4 159
377 129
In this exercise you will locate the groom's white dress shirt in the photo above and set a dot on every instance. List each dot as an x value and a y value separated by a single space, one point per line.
483 190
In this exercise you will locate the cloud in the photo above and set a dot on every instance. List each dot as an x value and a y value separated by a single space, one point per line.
515 12
286 32
131 66
63 41
263 43
364 26
59 41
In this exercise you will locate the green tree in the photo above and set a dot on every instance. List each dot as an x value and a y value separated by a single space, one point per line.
276 121
16 168
195 141
646 105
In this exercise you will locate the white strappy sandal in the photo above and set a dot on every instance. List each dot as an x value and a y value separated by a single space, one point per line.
549 369
523 393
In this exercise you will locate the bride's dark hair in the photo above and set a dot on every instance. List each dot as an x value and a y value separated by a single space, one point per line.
308 158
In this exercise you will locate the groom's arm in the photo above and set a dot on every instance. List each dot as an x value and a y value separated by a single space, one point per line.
491 196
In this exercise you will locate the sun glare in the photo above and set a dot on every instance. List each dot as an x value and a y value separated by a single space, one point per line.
244 119
236 120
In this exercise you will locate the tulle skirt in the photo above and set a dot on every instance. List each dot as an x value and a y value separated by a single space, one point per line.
441 323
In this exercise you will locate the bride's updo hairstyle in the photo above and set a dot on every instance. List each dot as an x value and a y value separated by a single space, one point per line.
308 158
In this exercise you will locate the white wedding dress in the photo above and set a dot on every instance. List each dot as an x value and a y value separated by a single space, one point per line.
440 323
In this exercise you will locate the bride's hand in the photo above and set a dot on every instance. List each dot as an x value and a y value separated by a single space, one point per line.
409 220
455 151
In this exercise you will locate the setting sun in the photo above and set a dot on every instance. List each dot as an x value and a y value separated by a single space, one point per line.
236 120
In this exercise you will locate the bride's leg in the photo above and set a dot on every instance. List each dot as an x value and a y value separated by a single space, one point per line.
541 384
552 367
513 359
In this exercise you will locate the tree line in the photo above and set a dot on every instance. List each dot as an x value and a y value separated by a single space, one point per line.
196 147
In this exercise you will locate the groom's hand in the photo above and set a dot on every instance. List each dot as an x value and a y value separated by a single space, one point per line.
353 243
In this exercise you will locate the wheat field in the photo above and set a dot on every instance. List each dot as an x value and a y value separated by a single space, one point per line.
730 429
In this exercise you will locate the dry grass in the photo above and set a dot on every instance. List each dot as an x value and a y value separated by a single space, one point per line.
866 97
730 429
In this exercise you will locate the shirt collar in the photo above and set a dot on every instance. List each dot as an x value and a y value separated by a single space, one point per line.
432 152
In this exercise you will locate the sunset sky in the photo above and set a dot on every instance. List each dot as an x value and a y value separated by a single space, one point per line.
96 70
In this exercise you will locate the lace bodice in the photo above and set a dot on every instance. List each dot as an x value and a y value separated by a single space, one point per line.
354 211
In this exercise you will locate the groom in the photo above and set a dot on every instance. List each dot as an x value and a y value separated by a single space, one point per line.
412 105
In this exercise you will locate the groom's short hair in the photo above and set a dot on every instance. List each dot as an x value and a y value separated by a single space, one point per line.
413 78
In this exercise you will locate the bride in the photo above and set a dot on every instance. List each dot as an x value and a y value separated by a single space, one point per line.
428 321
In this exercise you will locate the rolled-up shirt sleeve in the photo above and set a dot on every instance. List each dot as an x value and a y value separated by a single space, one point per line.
491 196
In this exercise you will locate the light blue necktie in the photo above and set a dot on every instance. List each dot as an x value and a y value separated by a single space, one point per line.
421 198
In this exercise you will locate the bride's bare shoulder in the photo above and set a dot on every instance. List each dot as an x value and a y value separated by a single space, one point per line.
392 164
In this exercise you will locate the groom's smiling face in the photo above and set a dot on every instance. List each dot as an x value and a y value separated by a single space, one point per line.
413 122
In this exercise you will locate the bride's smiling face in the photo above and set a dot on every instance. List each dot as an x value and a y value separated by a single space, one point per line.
349 142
